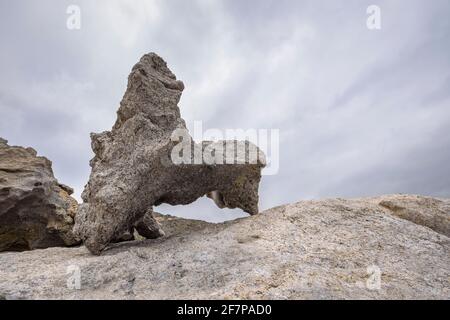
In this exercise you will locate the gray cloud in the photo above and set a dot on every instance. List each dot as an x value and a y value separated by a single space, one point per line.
360 112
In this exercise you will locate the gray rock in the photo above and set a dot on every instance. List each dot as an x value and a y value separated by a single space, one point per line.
35 210
425 211
134 168
324 249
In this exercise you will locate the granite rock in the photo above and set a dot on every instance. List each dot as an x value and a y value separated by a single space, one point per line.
322 249
35 210
149 158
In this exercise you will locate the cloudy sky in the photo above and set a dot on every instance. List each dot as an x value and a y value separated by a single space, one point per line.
360 112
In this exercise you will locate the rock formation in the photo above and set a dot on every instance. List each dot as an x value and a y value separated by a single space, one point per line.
35 210
429 212
134 167
324 249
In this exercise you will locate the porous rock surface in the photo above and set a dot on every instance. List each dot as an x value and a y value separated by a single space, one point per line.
133 167
35 210
324 249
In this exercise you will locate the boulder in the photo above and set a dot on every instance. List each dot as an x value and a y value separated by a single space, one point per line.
149 158
426 211
35 210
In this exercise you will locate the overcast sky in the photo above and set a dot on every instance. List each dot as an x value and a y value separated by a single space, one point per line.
360 112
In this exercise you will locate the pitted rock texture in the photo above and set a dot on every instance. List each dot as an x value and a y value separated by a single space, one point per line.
133 167
322 249
35 210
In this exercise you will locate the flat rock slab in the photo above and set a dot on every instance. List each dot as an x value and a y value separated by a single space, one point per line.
308 250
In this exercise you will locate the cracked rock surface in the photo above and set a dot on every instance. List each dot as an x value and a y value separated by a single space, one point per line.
322 249
133 167
35 210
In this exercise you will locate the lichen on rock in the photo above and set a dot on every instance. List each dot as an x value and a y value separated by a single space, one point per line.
134 168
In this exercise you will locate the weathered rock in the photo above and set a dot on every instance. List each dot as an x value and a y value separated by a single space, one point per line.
35 210
147 227
426 211
134 168
325 249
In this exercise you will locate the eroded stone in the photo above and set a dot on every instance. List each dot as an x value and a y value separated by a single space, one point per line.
35 210
133 167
